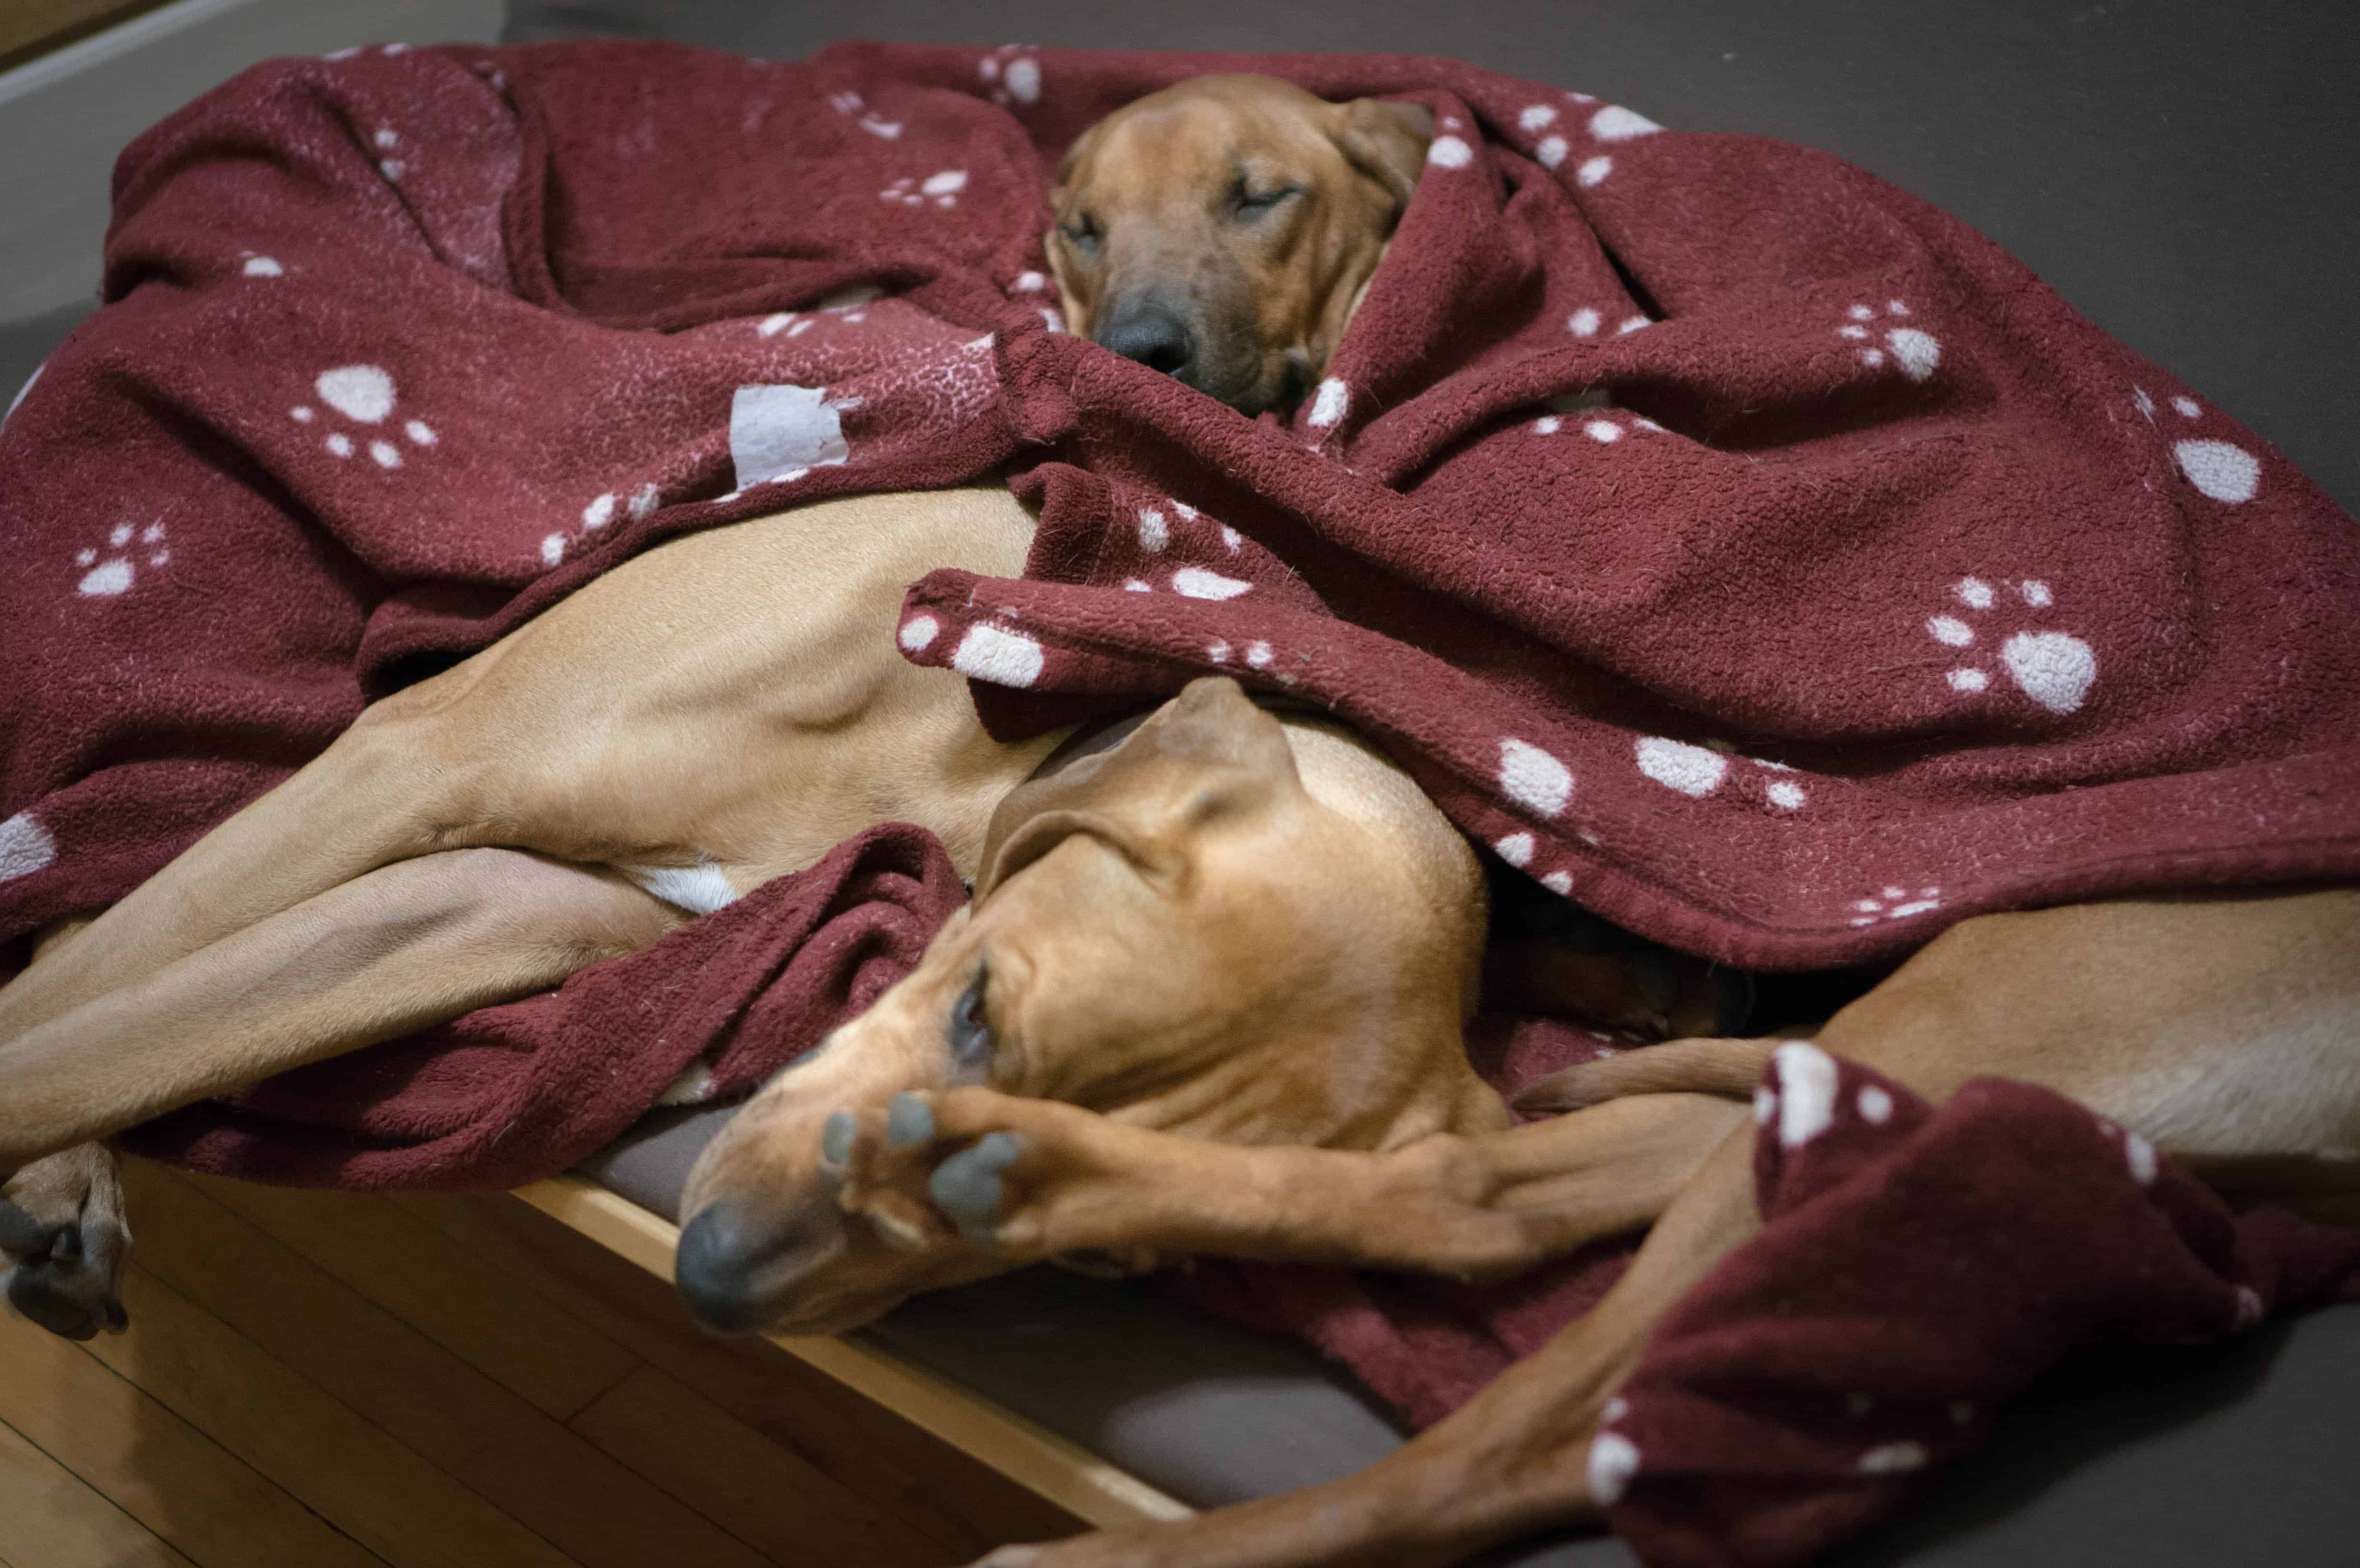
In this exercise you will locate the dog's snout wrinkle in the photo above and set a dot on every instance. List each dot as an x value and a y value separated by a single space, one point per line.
1154 334
734 1265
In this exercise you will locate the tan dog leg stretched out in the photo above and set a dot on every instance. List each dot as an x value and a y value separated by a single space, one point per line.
2226 1030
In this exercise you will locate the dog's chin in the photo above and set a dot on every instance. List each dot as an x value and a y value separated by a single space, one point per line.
1278 380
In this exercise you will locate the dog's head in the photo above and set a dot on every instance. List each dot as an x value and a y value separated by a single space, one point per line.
1223 230
1177 933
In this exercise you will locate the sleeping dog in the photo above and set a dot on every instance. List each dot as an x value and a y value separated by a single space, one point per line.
509 839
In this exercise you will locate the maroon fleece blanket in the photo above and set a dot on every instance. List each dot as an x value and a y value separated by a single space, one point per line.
1733 542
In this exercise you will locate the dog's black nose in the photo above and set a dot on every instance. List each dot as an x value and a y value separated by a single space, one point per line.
1152 336
722 1266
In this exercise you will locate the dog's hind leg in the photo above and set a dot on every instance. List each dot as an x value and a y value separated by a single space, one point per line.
385 791
387 954
1039 1179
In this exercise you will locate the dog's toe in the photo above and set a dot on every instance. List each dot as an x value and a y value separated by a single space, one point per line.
837 1137
21 1235
968 1187
909 1121
69 1289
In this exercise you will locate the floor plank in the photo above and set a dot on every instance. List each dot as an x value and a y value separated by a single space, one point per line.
180 1483
514 1335
549 1480
767 1495
51 1518
953 1497
334 1463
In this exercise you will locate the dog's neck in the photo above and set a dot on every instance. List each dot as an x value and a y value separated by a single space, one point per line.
1350 777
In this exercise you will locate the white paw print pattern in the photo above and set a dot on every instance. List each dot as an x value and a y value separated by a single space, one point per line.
1537 118
1591 414
985 651
597 515
942 188
1535 779
2055 670
1586 321
1188 581
25 847
252 264
2222 470
876 124
1015 73
365 395
112 571
1697 771
778 434
1328 403
1610 125
388 143
1257 654
1517 850
1894 903
1909 350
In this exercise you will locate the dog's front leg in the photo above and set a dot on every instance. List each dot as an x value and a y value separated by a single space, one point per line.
1037 1178
1515 1459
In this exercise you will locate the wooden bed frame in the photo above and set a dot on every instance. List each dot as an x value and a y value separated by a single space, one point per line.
1051 1467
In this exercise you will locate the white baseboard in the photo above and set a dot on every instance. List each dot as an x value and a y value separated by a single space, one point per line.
65 115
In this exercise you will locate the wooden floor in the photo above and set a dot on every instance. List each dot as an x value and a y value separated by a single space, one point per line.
327 1379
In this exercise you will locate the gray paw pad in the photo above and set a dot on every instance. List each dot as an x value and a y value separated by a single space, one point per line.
836 1136
968 1186
909 1122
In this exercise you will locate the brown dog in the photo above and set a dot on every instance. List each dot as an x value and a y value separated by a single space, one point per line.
665 740
1223 230
2226 1029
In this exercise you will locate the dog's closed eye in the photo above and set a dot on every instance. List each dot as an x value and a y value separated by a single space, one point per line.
970 1030
1250 199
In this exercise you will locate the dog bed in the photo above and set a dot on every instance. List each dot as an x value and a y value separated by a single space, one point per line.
1728 540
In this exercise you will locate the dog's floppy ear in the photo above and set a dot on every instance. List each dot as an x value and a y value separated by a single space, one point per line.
1076 153
1387 142
1207 752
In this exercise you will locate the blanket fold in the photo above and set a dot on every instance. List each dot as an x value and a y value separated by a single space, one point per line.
1724 538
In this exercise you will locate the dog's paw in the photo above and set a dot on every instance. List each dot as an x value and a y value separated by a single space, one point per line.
1030 1177
66 1242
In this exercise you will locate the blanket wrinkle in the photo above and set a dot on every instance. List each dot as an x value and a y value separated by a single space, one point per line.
1734 544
